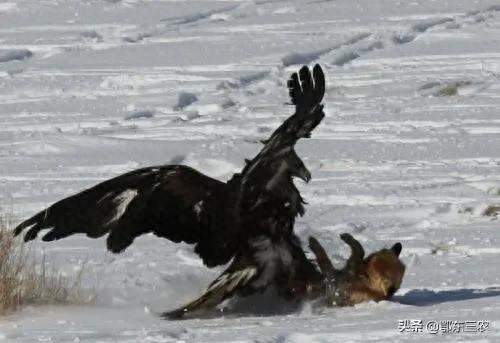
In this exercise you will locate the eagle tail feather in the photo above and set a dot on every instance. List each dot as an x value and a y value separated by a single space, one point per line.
222 288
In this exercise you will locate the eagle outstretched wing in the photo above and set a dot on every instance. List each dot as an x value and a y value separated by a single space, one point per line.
268 203
267 178
306 93
248 219
179 203
175 202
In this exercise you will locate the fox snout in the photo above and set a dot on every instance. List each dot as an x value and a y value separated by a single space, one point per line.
374 278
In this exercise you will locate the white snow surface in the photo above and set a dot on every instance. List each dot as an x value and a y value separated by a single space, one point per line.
409 150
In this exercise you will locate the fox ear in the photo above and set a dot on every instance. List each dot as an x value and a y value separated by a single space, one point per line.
396 249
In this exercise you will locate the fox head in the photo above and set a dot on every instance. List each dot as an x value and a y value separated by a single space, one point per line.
385 270
376 277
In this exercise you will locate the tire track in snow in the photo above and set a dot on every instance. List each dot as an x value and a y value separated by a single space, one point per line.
311 56
350 56
15 55
243 81
197 17
470 18
190 19
420 28
247 80
350 52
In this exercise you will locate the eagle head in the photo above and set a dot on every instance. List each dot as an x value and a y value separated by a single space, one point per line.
296 167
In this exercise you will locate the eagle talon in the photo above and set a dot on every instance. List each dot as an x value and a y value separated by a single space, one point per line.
376 277
248 220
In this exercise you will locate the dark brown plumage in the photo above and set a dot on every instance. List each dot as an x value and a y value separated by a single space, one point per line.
249 219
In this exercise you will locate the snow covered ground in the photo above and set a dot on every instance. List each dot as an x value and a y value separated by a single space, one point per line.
409 150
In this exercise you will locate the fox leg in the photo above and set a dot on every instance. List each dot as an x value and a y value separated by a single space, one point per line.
322 259
355 261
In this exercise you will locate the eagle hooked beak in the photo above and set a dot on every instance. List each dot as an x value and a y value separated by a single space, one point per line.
297 167
304 174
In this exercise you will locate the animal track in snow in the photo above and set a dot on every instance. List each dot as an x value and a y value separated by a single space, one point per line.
311 56
473 17
189 19
15 55
350 52
243 81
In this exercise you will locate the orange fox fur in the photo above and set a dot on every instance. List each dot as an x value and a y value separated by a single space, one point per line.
376 277
379 278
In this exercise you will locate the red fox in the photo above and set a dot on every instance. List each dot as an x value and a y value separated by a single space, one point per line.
376 277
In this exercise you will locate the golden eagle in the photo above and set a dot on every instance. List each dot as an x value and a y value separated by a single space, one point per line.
248 220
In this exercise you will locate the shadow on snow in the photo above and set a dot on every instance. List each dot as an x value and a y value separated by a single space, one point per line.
426 297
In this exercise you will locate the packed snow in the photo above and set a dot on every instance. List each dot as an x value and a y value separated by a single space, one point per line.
409 151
